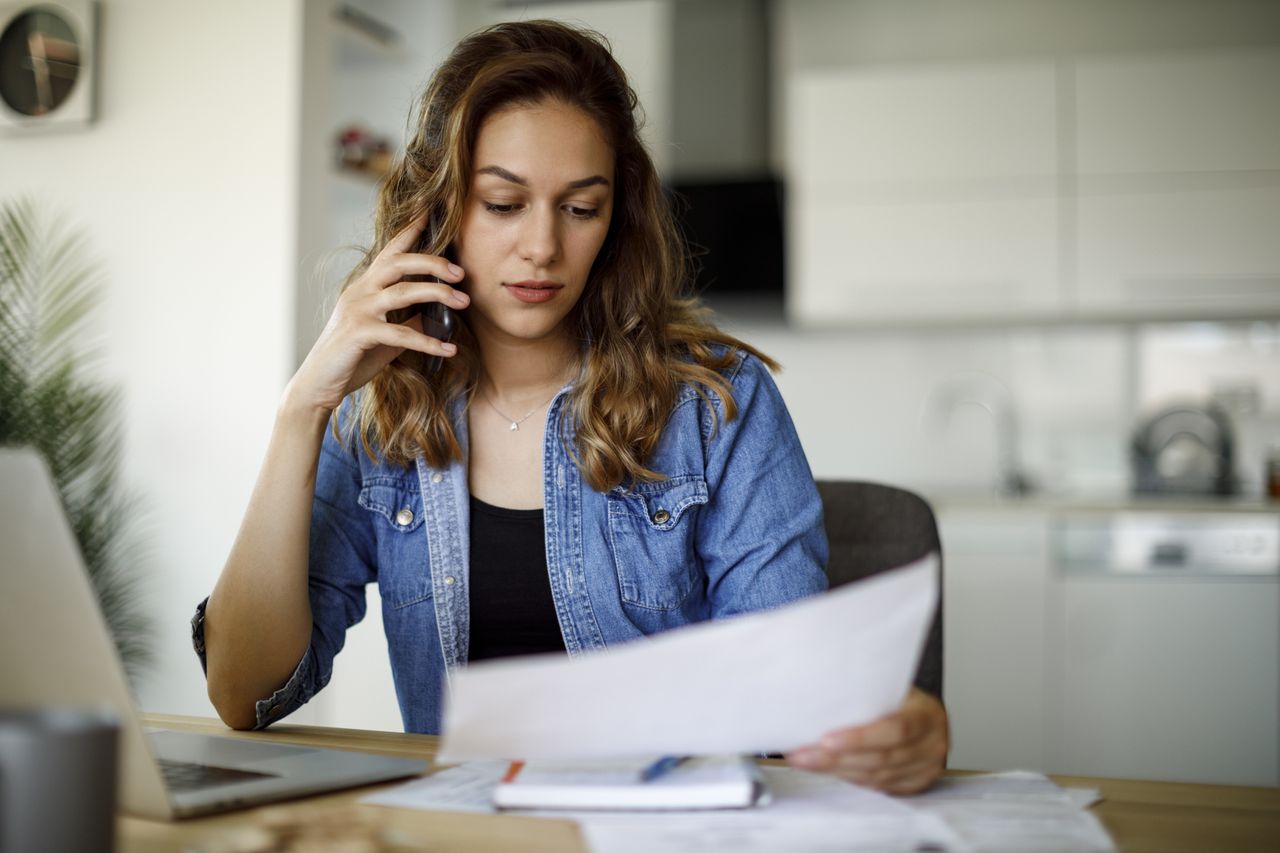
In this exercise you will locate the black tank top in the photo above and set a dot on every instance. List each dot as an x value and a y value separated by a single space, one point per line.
512 612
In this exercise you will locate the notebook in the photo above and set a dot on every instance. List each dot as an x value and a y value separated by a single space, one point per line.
56 651
710 782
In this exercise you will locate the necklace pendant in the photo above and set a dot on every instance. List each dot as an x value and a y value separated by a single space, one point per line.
514 426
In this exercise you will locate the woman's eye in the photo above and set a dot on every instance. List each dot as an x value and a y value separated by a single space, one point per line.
500 209
582 212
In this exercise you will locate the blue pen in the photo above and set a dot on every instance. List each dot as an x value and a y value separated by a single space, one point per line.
662 766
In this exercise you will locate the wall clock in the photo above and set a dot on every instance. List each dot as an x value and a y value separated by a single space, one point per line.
47 59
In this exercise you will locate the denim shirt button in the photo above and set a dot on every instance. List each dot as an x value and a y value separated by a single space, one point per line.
437 477
404 517
661 517
448 580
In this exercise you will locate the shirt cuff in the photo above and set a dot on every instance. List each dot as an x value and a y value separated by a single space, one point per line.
295 693
197 635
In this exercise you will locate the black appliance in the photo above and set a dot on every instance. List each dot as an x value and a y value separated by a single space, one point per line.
1185 449
734 228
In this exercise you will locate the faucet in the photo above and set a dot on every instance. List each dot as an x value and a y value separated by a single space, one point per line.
974 388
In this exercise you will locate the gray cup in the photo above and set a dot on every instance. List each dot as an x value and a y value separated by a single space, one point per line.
57 781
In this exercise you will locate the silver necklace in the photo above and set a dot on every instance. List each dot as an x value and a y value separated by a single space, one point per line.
515 422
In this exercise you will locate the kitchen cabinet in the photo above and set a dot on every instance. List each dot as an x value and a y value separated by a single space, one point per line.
1127 642
1165 639
923 193
1178 184
995 594
1091 187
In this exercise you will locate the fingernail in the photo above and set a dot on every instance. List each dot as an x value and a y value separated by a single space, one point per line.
449 348
460 298
455 269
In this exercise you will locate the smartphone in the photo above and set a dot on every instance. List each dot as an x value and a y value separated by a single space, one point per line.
438 320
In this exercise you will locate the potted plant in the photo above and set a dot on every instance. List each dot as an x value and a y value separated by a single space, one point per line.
47 288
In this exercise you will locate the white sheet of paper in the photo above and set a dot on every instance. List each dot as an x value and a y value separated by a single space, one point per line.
465 788
762 682
1016 811
1006 785
764 833
807 813
1082 798
1018 826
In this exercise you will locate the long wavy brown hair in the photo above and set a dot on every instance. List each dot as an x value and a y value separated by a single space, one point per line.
642 334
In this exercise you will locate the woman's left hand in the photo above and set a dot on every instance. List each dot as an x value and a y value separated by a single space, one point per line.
902 753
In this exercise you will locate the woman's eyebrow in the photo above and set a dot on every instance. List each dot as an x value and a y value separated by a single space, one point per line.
516 179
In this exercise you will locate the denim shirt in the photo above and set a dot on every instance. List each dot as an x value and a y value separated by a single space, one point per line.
736 526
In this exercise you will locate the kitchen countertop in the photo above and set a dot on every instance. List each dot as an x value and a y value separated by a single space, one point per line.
944 500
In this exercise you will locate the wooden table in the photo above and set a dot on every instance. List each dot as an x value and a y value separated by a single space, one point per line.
1142 817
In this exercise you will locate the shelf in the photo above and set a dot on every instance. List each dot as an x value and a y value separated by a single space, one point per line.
361 38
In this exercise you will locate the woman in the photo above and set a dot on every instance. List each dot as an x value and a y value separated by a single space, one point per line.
589 461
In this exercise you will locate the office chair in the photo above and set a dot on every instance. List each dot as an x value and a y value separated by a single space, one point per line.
873 527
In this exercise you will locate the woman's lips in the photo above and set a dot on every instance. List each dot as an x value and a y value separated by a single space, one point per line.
534 291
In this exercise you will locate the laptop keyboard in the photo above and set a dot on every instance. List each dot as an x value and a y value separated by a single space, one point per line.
183 776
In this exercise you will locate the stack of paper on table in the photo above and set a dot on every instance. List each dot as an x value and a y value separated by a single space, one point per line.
719 782
810 813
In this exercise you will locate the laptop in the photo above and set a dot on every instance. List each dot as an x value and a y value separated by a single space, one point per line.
55 650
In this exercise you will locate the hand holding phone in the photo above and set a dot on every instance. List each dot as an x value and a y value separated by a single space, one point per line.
367 330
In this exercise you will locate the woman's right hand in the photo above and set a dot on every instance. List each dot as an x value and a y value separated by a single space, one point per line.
358 340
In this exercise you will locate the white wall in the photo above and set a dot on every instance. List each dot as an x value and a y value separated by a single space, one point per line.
868 406
350 81
186 190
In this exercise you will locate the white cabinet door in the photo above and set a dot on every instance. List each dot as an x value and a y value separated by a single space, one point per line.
924 193
1178 187
1168 678
995 581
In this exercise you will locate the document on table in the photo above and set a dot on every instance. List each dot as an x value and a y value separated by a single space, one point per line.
765 833
1010 785
1015 811
808 813
761 682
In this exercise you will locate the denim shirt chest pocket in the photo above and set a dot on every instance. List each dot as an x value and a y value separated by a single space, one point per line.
652 531
395 509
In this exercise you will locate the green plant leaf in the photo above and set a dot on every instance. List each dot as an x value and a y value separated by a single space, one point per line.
48 288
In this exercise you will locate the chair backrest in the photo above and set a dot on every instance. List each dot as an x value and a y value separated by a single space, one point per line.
872 528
